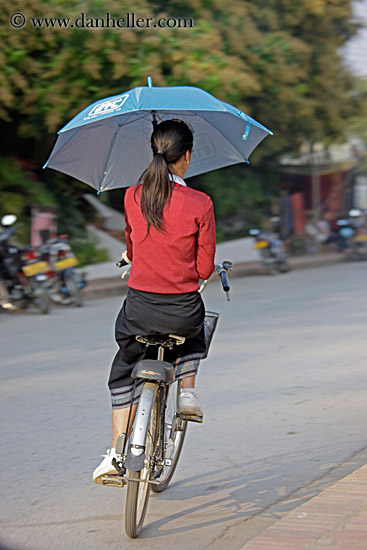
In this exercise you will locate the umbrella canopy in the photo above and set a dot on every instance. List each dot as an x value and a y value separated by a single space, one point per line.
107 145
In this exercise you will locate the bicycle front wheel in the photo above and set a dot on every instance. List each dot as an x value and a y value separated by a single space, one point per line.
137 494
175 431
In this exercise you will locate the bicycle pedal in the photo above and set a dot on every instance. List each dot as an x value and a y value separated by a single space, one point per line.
113 480
191 418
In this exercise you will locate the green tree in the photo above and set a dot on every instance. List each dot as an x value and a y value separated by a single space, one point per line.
19 190
277 59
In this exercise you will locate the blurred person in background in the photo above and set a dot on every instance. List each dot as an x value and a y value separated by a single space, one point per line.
323 232
311 233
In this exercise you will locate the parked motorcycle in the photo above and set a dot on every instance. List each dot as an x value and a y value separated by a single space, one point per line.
22 271
67 283
354 232
272 250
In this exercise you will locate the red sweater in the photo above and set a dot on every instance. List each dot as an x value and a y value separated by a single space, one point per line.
172 261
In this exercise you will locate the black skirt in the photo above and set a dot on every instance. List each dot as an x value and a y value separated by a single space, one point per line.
148 313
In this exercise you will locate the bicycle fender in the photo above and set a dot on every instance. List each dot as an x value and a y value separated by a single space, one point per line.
136 453
134 463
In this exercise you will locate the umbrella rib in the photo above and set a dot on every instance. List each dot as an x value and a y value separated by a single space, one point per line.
132 121
108 158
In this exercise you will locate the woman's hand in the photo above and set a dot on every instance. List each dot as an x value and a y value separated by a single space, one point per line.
124 257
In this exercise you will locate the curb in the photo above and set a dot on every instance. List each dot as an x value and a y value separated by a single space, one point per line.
114 286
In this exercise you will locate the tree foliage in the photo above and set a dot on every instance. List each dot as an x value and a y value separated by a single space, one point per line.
18 189
276 59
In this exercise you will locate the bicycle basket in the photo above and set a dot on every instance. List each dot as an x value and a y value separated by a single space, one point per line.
210 323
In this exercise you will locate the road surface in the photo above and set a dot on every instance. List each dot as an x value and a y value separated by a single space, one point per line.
285 397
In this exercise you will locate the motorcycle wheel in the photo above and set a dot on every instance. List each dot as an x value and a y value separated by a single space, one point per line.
362 252
270 267
284 266
42 300
74 291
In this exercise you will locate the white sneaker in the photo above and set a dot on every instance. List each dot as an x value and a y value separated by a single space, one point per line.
106 467
188 403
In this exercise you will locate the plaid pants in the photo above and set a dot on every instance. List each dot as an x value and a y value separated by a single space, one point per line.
145 313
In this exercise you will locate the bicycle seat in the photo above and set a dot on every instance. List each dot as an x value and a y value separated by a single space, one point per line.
164 340
152 369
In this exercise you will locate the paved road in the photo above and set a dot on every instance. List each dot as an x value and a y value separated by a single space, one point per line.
285 396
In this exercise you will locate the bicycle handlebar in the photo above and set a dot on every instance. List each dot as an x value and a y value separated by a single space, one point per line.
224 279
222 270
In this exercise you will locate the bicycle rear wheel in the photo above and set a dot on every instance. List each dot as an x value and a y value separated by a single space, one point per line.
137 494
175 431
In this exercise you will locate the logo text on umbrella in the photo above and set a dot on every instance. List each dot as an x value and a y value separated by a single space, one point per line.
107 107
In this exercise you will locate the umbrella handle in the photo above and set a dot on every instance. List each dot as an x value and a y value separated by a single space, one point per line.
155 122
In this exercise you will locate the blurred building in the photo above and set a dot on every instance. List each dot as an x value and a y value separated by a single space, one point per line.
324 180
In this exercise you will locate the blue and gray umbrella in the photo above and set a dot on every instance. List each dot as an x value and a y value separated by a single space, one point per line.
107 145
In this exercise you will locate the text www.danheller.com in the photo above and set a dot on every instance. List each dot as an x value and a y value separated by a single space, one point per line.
129 21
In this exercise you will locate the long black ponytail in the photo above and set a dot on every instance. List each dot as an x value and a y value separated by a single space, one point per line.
169 141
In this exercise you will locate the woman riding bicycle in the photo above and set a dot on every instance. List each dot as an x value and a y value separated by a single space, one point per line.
170 239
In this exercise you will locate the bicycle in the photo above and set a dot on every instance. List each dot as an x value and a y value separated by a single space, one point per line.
148 457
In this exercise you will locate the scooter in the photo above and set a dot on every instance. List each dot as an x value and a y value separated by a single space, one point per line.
354 232
272 250
23 273
67 282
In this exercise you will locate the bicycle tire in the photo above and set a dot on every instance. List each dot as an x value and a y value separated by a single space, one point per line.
175 431
137 493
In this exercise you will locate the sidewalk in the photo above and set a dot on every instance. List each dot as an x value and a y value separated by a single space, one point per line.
336 519
104 279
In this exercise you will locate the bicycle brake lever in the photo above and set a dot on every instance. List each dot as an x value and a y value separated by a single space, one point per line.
227 265
126 273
